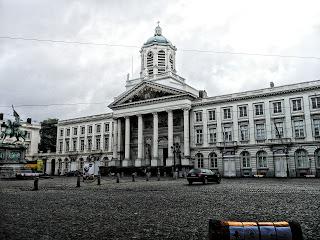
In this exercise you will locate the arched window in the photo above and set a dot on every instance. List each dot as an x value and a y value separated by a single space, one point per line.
301 158
245 159
199 158
213 159
150 63
262 159
161 61
171 62
317 157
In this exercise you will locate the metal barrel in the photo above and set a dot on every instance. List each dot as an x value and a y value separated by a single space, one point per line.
233 230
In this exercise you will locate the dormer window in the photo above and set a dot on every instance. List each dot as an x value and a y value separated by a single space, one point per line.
150 63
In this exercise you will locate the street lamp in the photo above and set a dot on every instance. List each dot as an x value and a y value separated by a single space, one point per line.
176 150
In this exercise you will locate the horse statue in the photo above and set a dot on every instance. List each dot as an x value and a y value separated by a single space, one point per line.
11 129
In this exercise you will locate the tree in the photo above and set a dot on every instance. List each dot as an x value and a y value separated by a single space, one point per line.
48 135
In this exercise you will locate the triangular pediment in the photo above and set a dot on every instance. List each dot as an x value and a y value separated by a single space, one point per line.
146 91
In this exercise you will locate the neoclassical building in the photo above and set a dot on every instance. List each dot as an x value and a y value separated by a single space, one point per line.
160 121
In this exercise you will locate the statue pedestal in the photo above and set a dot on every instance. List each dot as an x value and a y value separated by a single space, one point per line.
12 159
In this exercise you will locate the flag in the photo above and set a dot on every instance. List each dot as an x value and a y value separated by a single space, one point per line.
15 114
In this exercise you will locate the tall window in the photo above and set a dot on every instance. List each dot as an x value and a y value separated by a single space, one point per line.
67 146
260 132
199 136
298 129
316 127
106 142
150 63
262 159
83 129
296 105
227 133
199 158
68 131
277 107
171 62
82 145
258 109
227 113
243 111
60 146
212 115
74 147
212 134
98 143
317 157
61 132
213 159
75 131
301 158
90 129
245 159
98 128
278 129
244 132
106 127
315 102
89 144
198 116
161 61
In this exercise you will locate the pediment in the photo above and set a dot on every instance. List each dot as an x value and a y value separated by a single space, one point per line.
145 92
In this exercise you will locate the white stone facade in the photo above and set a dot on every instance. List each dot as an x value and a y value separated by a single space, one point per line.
162 122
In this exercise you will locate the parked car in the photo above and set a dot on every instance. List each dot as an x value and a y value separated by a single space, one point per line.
203 175
26 174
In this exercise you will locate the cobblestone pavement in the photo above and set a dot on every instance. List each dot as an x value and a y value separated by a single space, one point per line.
150 210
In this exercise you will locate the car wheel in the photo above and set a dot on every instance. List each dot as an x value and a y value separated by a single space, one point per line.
205 181
190 182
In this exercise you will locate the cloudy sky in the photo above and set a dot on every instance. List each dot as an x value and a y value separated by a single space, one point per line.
46 73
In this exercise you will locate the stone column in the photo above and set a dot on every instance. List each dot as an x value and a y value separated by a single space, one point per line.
140 141
119 136
186 139
115 137
154 161
170 138
127 143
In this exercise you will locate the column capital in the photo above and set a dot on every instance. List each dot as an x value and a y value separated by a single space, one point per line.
186 109
126 117
169 111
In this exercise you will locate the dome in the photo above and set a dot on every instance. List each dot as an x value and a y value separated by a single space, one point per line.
157 38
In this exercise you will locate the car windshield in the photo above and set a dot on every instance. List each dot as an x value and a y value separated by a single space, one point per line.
195 170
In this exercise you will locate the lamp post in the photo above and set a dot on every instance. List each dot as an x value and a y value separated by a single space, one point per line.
176 150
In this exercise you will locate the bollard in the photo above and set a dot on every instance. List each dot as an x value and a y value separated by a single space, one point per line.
99 179
35 184
226 230
118 177
158 175
164 174
78 180
147 176
133 177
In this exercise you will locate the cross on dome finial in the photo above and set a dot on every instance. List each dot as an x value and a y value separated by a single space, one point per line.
158 30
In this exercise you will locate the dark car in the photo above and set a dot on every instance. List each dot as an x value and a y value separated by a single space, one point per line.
203 175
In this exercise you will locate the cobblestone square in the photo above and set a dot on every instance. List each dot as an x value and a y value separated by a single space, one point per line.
151 210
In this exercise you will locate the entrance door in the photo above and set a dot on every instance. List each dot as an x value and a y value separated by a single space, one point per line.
165 156
280 163
53 166
229 165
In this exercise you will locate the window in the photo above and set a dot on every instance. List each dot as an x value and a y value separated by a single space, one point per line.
67 146
258 109
296 105
74 147
68 132
83 130
317 157
106 127
98 143
61 132
277 107
260 132
245 159
315 102
60 146
301 158
212 115
75 131
82 145
243 111
199 158
244 133
262 159
198 116
89 144
278 129
298 129
227 113
106 143
199 136
171 62
150 63
90 129
98 128
316 127
212 134
213 160
227 133
161 61
28 135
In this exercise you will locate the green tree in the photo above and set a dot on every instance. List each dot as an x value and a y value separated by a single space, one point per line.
48 135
